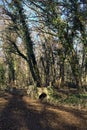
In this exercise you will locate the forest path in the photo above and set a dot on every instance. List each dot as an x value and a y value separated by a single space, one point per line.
18 113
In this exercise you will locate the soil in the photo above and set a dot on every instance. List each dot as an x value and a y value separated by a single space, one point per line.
23 113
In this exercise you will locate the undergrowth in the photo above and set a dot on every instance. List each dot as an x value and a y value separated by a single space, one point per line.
77 100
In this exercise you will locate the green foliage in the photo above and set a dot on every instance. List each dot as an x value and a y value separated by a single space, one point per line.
71 99
83 96
64 18
53 93
2 74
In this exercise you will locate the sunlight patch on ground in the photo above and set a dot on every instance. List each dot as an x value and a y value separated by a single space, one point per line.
65 116
61 116
33 104
28 114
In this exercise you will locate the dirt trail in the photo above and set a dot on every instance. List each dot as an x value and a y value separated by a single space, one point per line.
18 113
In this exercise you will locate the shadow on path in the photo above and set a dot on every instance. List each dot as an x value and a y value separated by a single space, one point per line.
21 115
16 116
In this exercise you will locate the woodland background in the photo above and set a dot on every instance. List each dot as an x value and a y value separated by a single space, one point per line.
43 43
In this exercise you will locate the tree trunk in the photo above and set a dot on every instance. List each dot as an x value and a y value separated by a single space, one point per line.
28 44
76 70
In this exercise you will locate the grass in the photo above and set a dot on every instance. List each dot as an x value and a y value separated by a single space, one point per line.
69 99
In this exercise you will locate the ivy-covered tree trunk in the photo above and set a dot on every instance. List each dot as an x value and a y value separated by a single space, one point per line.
2 75
45 60
28 44
10 62
62 73
11 71
76 71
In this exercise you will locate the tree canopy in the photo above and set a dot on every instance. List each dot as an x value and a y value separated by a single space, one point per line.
53 40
